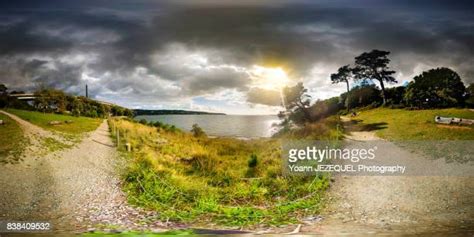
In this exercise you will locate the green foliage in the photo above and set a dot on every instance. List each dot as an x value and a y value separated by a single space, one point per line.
296 103
3 96
324 108
11 140
252 166
179 232
374 66
197 131
221 180
54 145
470 96
344 74
76 126
50 100
436 88
120 111
252 162
395 96
361 96
56 101
326 129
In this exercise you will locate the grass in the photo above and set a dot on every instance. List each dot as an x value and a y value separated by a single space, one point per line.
142 234
401 124
205 180
11 140
54 145
76 127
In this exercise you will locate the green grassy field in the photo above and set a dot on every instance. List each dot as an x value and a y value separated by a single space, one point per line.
400 124
79 124
225 181
10 140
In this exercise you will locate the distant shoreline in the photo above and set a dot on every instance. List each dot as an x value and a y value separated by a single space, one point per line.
138 112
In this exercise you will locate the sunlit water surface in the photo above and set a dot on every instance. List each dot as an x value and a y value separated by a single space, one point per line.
240 126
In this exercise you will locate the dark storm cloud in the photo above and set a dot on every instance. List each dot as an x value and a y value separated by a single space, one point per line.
222 78
218 40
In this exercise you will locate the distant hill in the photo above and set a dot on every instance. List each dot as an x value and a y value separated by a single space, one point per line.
166 111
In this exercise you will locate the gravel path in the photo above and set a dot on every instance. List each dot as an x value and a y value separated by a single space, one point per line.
397 204
77 189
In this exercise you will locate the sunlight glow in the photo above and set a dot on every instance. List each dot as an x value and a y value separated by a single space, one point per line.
269 78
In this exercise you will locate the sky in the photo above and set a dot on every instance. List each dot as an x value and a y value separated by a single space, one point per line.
219 55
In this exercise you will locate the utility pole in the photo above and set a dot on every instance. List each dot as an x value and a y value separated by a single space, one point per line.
87 92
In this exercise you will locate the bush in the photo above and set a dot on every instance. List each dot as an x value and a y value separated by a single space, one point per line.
197 131
436 88
362 96
252 162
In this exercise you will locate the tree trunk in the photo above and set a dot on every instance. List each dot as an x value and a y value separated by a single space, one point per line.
347 83
383 92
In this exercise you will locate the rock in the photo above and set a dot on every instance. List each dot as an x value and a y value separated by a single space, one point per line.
55 122
2 122
68 121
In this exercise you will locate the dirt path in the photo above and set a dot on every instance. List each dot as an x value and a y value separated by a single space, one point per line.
34 133
397 204
77 188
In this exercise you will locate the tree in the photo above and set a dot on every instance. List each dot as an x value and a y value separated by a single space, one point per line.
3 89
324 108
117 111
470 95
344 74
76 106
360 96
296 102
395 95
374 66
49 100
436 88
3 96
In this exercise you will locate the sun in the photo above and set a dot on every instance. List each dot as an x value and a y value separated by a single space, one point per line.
270 78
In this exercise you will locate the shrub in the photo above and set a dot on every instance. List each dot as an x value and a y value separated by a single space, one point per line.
252 162
436 88
197 131
324 108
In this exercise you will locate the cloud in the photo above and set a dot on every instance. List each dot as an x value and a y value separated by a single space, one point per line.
172 52
264 97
